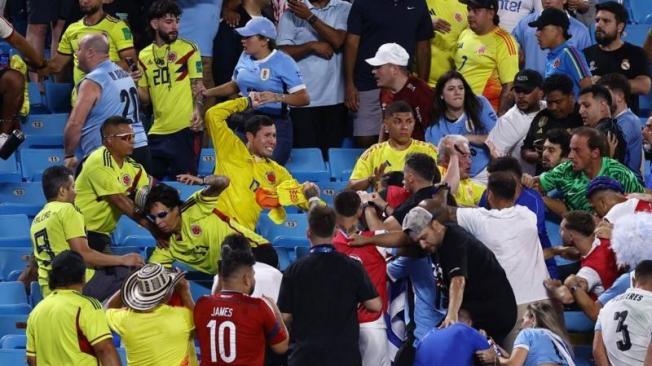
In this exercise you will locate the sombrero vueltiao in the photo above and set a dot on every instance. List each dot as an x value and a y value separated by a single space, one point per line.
148 287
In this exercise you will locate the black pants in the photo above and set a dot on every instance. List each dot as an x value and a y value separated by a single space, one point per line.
106 282
98 241
173 154
321 127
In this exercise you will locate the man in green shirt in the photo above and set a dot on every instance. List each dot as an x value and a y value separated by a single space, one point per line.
587 160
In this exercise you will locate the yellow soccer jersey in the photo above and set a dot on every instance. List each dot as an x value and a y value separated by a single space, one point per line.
487 61
116 30
442 45
101 176
63 328
203 229
469 192
167 71
249 174
382 152
51 229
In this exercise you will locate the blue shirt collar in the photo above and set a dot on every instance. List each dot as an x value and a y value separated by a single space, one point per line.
559 48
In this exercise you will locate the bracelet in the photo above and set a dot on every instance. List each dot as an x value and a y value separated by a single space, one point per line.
312 19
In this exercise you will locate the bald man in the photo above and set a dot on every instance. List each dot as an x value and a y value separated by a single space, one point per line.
107 90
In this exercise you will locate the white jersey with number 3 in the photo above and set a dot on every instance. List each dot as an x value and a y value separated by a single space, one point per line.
626 325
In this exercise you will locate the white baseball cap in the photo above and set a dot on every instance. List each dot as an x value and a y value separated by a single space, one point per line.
390 53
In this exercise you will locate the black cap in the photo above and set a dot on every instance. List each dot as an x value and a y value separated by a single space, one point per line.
527 80
486 4
551 16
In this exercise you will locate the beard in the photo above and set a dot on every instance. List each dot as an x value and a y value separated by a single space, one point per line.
603 38
91 9
168 37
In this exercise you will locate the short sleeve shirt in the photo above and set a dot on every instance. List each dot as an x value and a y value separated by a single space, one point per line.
540 347
6 29
419 96
442 45
383 152
573 184
568 60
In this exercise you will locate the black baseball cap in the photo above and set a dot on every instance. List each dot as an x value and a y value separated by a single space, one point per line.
487 4
551 16
528 80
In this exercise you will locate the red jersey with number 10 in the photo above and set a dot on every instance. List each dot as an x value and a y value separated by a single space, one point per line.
233 329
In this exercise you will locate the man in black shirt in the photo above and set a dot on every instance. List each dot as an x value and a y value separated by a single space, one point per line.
319 297
561 112
613 55
595 109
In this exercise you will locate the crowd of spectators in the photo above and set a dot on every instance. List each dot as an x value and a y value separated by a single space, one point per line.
480 121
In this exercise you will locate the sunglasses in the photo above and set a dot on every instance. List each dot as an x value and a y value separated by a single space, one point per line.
128 136
161 215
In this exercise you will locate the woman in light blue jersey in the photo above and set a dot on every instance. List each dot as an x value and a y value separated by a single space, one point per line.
457 111
273 75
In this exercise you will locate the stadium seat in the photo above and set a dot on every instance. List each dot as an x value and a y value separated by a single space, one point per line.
13 341
36 101
328 190
578 322
13 357
283 254
342 161
21 198
15 231
636 33
129 233
12 293
35 161
291 233
9 170
553 232
184 190
301 251
307 165
57 97
206 162
12 324
583 355
16 309
11 259
640 10
44 130
35 295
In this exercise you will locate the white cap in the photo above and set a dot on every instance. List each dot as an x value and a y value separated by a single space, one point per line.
390 53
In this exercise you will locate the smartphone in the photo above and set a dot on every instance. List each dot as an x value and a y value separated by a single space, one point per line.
132 64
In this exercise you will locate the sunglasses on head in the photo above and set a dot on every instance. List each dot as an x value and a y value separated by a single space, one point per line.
128 136
160 215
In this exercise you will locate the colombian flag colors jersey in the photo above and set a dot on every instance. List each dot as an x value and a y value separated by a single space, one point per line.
442 45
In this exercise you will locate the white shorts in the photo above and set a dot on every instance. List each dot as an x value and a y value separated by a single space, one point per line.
373 346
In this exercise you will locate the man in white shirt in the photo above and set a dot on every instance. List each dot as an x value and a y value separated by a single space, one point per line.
512 127
512 11
510 232
268 281
622 333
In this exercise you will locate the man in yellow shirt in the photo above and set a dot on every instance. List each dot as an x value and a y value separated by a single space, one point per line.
68 328
59 226
487 56
153 332
95 20
172 69
448 20
257 181
389 156
455 167
197 228
108 182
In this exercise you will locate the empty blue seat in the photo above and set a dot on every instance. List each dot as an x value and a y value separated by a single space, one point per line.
636 33
35 295
11 259
342 161
578 322
35 161
15 231
12 293
640 9
307 165
12 324
44 130
13 341
129 233
206 162
57 97
9 171
15 309
328 190
36 100
21 198
291 233
283 254
13 357
184 190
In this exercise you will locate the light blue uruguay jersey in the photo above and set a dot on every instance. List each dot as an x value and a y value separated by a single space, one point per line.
119 97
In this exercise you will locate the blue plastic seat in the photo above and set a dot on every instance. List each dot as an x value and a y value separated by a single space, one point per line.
15 309
129 233
13 357
21 198
184 190
15 231
57 97
9 170
283 254
342 161
206 162
11 259
12 293
35 295
640 10
307 165
578 322
301 251
291 233
35 161
36 100
636 33
12 324
328 190
45 130
13 341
